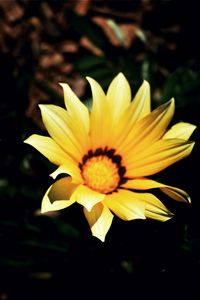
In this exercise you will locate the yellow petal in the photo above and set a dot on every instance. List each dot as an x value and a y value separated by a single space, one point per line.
56 122
145 184
129 205
100 219
118 95
157 157
70 169
141 105
58 195
87 197
138 109
126 205
156 210
50 149
75 107
99 117
180 130
148 130
98 96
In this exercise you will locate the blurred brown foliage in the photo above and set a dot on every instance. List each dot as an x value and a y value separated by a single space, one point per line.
39 36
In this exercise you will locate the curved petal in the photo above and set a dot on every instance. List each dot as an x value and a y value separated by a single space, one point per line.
180 130
129 205
118 95
100 219
99 117
141 104
148 130
72 170
126 205
138 109
156 210
58 195
50 149
145 184
157 157
75 107
98 96
87 197
56 122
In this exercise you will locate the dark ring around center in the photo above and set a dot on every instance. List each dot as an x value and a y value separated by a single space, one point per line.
110 153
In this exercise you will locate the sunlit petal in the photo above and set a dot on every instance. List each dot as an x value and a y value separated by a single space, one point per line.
100 219
145 184
118 95
75 107
156 210
180 130
141 105
126 205
56 122
87 197
148 130
138 109
69 169
58 195
100 114
129 205
158 157
49 148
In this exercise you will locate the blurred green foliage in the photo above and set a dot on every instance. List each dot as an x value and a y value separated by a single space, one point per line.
46 253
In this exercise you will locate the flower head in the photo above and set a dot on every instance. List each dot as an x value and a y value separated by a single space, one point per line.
107 154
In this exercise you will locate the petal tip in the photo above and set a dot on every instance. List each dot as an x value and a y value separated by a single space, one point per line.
191 144
90 80
65 86
189 200
146 86
28 140
146 82
121 75
54 174
62 84
101 238
44 210
42 107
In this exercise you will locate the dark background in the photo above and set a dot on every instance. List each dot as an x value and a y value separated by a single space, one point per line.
54 256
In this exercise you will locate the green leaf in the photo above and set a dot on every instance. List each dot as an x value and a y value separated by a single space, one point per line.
184 85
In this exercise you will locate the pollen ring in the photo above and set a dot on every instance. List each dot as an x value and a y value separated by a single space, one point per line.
102 170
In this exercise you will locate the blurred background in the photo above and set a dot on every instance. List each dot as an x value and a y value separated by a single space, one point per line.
42 43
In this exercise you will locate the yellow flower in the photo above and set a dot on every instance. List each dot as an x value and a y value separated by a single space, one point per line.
108 153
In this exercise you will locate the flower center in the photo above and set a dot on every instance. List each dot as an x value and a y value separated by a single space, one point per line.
101 174
102 170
